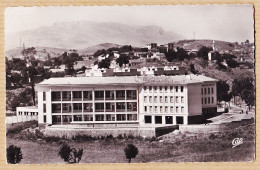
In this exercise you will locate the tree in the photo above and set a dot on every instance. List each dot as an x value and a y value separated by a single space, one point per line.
105 63
222 89
130 152
203 52
123 59
70 155
249 97
232 63
14 154
192 69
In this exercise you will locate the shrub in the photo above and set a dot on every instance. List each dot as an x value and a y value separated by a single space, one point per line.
18 127
70 155
212 136
130 152
120 137
14 154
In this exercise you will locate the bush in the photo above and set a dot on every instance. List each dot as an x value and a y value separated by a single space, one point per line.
212 136
14 154
70 155
130 152
120 137
18 127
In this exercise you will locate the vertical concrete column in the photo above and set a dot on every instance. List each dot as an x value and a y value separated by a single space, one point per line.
48 107
185 120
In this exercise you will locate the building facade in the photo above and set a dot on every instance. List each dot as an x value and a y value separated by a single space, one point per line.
142 100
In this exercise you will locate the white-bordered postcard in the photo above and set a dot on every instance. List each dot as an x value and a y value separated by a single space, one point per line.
130 84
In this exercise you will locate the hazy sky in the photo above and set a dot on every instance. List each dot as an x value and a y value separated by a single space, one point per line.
219 22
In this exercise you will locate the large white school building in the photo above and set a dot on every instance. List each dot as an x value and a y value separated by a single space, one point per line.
143 101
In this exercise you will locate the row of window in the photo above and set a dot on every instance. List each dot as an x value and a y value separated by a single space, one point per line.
56 119
166 99
205 101
88 107
163 88
158 119
207 91
161 109
27 113
87 95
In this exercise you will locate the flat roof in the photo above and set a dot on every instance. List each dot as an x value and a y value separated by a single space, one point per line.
126 80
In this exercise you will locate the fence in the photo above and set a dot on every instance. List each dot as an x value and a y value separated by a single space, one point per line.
21 118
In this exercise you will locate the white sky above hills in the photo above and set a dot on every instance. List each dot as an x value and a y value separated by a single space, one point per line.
220 22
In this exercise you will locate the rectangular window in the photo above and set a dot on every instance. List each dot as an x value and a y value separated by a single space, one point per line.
99 117
158 119
77 95
131 94
166 99
145 99
87 95
132 117
161 109
182 99
150 88
150 99
160 88
99 107
205 100
205 90
44 96
151 109
168 120
109 95
201 100
77 118
144 88
208 100
99 95
208 90
147 119
171 89
177 109
77 107
66 96
171 99
181 88
120 95
212 90
166 109
202 91
131 106
66 107
88 117
171 109
120 117
44 118
145 108
56 108
182 109
44 108
179 119
176 88
56 96
177 99
212 100
155 99
120 107
88 107
110 117
166 89
161 100
155 109
155 89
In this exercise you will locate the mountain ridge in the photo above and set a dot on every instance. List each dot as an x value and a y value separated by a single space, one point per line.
83 34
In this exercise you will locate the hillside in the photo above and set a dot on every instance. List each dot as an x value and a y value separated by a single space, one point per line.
197 44
83 34
42 52
92 49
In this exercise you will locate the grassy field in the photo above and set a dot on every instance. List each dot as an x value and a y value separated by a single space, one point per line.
173 147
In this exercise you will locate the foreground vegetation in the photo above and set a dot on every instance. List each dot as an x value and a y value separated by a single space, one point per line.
173 147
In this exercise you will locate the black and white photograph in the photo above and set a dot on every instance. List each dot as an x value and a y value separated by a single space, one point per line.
130 84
